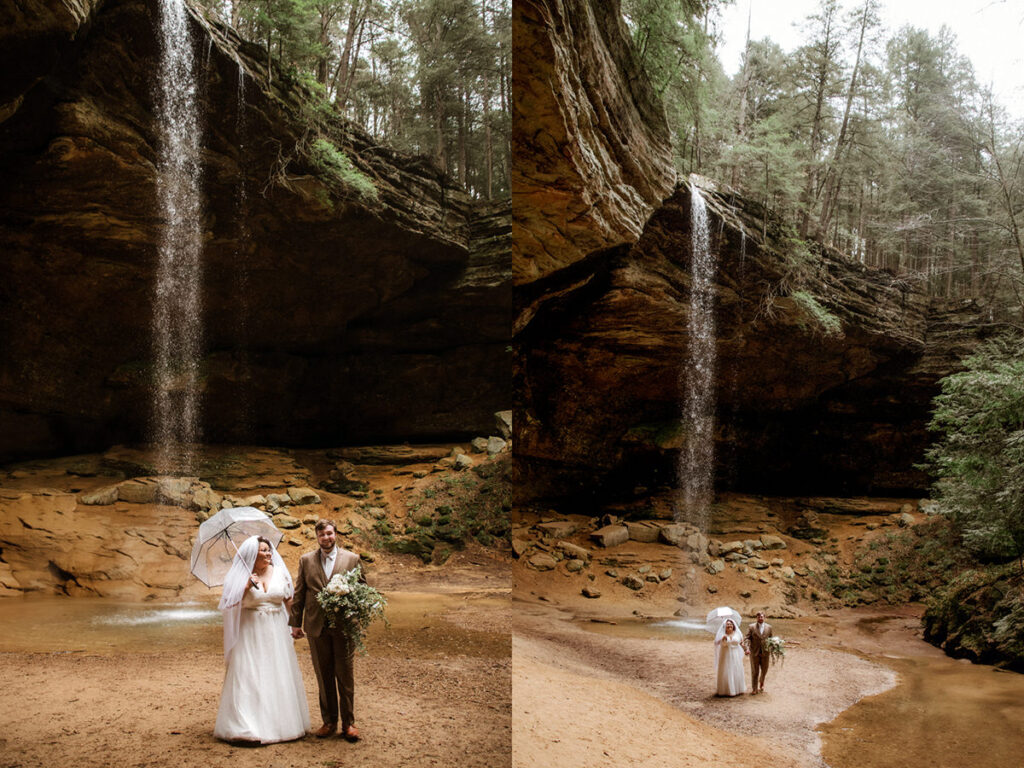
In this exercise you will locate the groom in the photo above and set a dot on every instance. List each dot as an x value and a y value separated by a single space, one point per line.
331 648
757 635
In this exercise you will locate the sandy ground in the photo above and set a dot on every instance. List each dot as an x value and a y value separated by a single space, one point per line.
606 698
434 690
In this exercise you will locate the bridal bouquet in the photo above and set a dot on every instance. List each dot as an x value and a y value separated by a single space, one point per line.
776 649
351 604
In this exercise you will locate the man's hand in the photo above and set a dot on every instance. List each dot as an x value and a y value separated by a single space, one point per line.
297 633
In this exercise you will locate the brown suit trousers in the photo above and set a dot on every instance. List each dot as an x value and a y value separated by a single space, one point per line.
759 656
331 649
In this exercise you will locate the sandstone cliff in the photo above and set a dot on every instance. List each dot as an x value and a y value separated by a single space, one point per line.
825 370
591 148
330 316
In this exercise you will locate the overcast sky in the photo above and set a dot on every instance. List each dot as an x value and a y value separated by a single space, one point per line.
989 32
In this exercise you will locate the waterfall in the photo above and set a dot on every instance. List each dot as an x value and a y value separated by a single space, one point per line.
177 301
243 418
696 464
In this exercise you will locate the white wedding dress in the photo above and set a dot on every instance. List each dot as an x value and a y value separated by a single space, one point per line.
731 681
263 698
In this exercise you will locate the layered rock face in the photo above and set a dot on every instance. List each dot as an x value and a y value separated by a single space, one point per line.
330 317
589 137
824 378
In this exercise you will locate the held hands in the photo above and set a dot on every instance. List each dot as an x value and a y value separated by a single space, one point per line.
297 633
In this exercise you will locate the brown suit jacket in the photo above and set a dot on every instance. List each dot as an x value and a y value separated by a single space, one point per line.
306 611
755 640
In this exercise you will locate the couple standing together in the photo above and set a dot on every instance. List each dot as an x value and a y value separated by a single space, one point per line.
263 699
730 647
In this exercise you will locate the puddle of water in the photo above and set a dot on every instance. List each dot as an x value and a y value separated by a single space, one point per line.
97 625
423 622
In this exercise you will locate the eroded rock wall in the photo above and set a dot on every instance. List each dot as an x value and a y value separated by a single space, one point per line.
825 370
330 317
591 148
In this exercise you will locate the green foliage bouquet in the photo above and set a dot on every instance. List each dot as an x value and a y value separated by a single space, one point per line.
352 605
776 649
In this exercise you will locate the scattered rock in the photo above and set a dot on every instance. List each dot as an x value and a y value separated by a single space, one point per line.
478 445
611 535
643 531
301 496
644 569
672 533
140 490
542 561
712 589
100 497
665 574
559 529
697 542
462 461
572 550
591 592
519 547
376 513
633 581
715 566
575 565
787 572
768 541
745 593
730 546
613 573
287 522
495 445
653 578
503 421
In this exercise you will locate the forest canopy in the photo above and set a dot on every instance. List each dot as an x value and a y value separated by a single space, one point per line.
881 143
423 76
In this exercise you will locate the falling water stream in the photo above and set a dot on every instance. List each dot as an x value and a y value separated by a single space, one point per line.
177 311
696 464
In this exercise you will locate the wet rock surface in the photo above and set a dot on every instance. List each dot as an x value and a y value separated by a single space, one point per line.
327 313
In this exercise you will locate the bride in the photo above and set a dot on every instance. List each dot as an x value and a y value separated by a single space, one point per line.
729 660
263 699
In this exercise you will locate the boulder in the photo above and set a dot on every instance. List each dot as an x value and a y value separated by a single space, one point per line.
496 445
287 522
301 496
610 535
572 550
769 541
478 445
140 490
643 531
575 565
715 567
542 561
591 592
758 563
632 581
99 497
462 462
673 534
557 528
503 421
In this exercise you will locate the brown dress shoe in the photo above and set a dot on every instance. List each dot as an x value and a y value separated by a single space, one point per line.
325 730
350 733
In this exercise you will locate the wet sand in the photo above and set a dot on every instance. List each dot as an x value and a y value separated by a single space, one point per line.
857 689
434 690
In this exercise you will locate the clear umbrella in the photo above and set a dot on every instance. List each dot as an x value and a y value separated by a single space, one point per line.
220 536
717 617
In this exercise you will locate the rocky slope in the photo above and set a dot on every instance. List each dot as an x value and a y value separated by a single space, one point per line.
591 149
330 315
824 377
